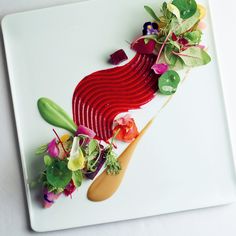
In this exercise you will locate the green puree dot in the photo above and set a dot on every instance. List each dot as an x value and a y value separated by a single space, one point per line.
169 82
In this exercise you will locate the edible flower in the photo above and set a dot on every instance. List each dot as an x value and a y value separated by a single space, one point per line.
150 28
53 149
49 198
76 159
69 189
125 129
85 130
160 69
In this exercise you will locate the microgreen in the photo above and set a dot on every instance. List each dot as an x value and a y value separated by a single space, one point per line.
152 13
42 149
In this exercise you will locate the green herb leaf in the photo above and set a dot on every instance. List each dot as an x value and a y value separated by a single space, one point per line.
169 82
187 8
93 146
55 115
152 13
193 37
58 175
170 58
42 149
47 160
112 165
179 65
195 56
174 10
77 178
184 26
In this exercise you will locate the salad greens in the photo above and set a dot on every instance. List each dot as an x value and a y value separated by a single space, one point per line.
177 35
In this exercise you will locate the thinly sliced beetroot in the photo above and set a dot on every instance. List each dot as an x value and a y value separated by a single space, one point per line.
141 47
100 163
118 57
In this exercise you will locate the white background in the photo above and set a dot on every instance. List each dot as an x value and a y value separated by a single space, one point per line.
13 211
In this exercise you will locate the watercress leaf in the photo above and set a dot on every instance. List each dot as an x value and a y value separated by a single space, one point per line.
187 8
55 115
193 37
152 13
47 160
195 56
169 82
77 178
185 25
42 149
174 10
58 175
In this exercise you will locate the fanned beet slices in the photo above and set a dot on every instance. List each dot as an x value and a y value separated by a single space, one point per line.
102 95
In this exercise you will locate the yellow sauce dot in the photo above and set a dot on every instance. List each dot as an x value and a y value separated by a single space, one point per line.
202 11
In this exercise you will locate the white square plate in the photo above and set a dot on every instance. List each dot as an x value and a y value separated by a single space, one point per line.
183 162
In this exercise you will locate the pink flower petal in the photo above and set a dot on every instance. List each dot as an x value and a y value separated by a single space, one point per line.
124 120
85 130
49 198
160 69
53 150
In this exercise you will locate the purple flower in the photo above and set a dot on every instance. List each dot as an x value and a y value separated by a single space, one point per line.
150 28
49 198
160 69
53 149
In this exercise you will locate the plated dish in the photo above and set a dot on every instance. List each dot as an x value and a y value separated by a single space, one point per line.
170 41
49 52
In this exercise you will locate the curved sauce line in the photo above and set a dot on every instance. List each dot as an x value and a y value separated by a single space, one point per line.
102 95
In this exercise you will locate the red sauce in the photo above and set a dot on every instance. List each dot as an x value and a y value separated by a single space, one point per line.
102 95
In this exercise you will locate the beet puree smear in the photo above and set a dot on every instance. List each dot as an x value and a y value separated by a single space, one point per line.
102 95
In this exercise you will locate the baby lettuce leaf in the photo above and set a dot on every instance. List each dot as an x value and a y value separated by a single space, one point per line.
195 56
152 13
77 178
185 25
58 175
170 58
55 115
187 8
174 10
169 82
